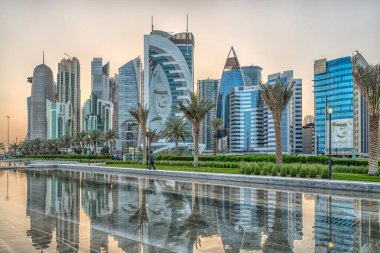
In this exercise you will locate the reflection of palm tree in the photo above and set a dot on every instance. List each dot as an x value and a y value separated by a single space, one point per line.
194 226
277 240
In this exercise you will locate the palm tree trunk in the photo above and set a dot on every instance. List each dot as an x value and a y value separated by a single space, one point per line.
277 135
82 148
94 148
196 148
176 145
373 145
215 144
144 147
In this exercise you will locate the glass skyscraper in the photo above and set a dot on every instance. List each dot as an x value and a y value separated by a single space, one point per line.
251 75
100 79
208 90
128 94
168 74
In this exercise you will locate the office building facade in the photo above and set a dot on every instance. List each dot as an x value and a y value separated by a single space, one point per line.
334 87
69 91
208 90
168 74
58 116
251 75
308 139
42 90
128 94
100 79
97 114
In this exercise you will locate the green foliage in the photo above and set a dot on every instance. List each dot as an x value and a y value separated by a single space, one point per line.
257 168
303 172
325 173
293 171
265 170
284 171
313 172
274 171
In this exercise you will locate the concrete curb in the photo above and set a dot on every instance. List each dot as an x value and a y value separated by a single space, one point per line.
251 180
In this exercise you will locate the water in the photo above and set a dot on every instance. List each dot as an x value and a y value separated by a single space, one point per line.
49 211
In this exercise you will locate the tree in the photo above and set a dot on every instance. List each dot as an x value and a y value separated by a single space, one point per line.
277 97
368 81
153 136
175 128
141 115
95 137
216 126
65 142
14 147
195 110
111 137
2 147
80 138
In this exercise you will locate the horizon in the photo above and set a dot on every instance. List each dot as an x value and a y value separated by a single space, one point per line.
291 42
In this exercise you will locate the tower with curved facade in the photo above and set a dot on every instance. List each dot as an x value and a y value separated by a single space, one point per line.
168 74
42 90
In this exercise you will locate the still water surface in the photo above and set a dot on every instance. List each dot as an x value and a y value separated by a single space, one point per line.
61 211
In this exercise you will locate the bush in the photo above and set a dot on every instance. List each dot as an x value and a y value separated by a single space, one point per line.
274 171
265 170
303 172
325 173
293 171
283 171
312 172
257 169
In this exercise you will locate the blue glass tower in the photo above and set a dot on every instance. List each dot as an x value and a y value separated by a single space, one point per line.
334 86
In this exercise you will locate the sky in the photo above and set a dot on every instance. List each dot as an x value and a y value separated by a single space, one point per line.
277 35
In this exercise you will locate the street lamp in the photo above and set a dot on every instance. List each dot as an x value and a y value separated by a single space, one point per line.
89 150
147 156
330 111
8 117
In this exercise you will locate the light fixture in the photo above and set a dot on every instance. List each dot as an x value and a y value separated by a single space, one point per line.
331 245
330 110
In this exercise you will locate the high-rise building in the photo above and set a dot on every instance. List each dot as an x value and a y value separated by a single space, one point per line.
97 114
69 91
308 139
128 93
28 105
334 87
42 90
251 75
58 116
208 90
291 123
168 74
100 79
246 119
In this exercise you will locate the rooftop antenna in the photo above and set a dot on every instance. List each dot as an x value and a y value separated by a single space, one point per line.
68 56
152 24
43 57
187 34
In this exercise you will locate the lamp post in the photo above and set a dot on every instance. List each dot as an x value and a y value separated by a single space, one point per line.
8 117
330 111
89 149
147 140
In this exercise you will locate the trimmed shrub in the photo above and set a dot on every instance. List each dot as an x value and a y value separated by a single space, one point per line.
284 171
312 172
325 173
274 171
303 172
257 169
293 171
266 170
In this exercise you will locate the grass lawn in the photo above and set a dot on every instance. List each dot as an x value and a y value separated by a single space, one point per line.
336 176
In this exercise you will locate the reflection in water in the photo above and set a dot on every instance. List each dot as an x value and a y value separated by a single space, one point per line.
146 215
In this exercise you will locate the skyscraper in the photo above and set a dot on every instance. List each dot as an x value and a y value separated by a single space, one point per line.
334 87
100 79
128 93
28 105
42 89
291 123
97 114
251 75
58 116
208 90
168 74
308 138
68 90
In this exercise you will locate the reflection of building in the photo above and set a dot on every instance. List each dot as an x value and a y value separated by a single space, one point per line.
97 114
68 90
308 143
42 89
334 86
208 90
291 124
128 86
168 73
58 116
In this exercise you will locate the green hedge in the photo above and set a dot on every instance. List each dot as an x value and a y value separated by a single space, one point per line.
67 157
266 158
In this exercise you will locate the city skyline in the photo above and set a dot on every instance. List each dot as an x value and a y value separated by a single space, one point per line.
297 34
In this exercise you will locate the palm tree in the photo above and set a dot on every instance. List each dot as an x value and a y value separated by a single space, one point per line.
277 97
80 139
153 136
95 137
195 110
110 137
141 116
2 147
65 142
175 128
368 81
216 126
14 147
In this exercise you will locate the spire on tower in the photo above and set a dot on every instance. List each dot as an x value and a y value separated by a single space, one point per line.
43 57
152 24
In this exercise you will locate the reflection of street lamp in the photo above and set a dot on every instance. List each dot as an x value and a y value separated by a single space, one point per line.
7 197
330 111
331 243
147 151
